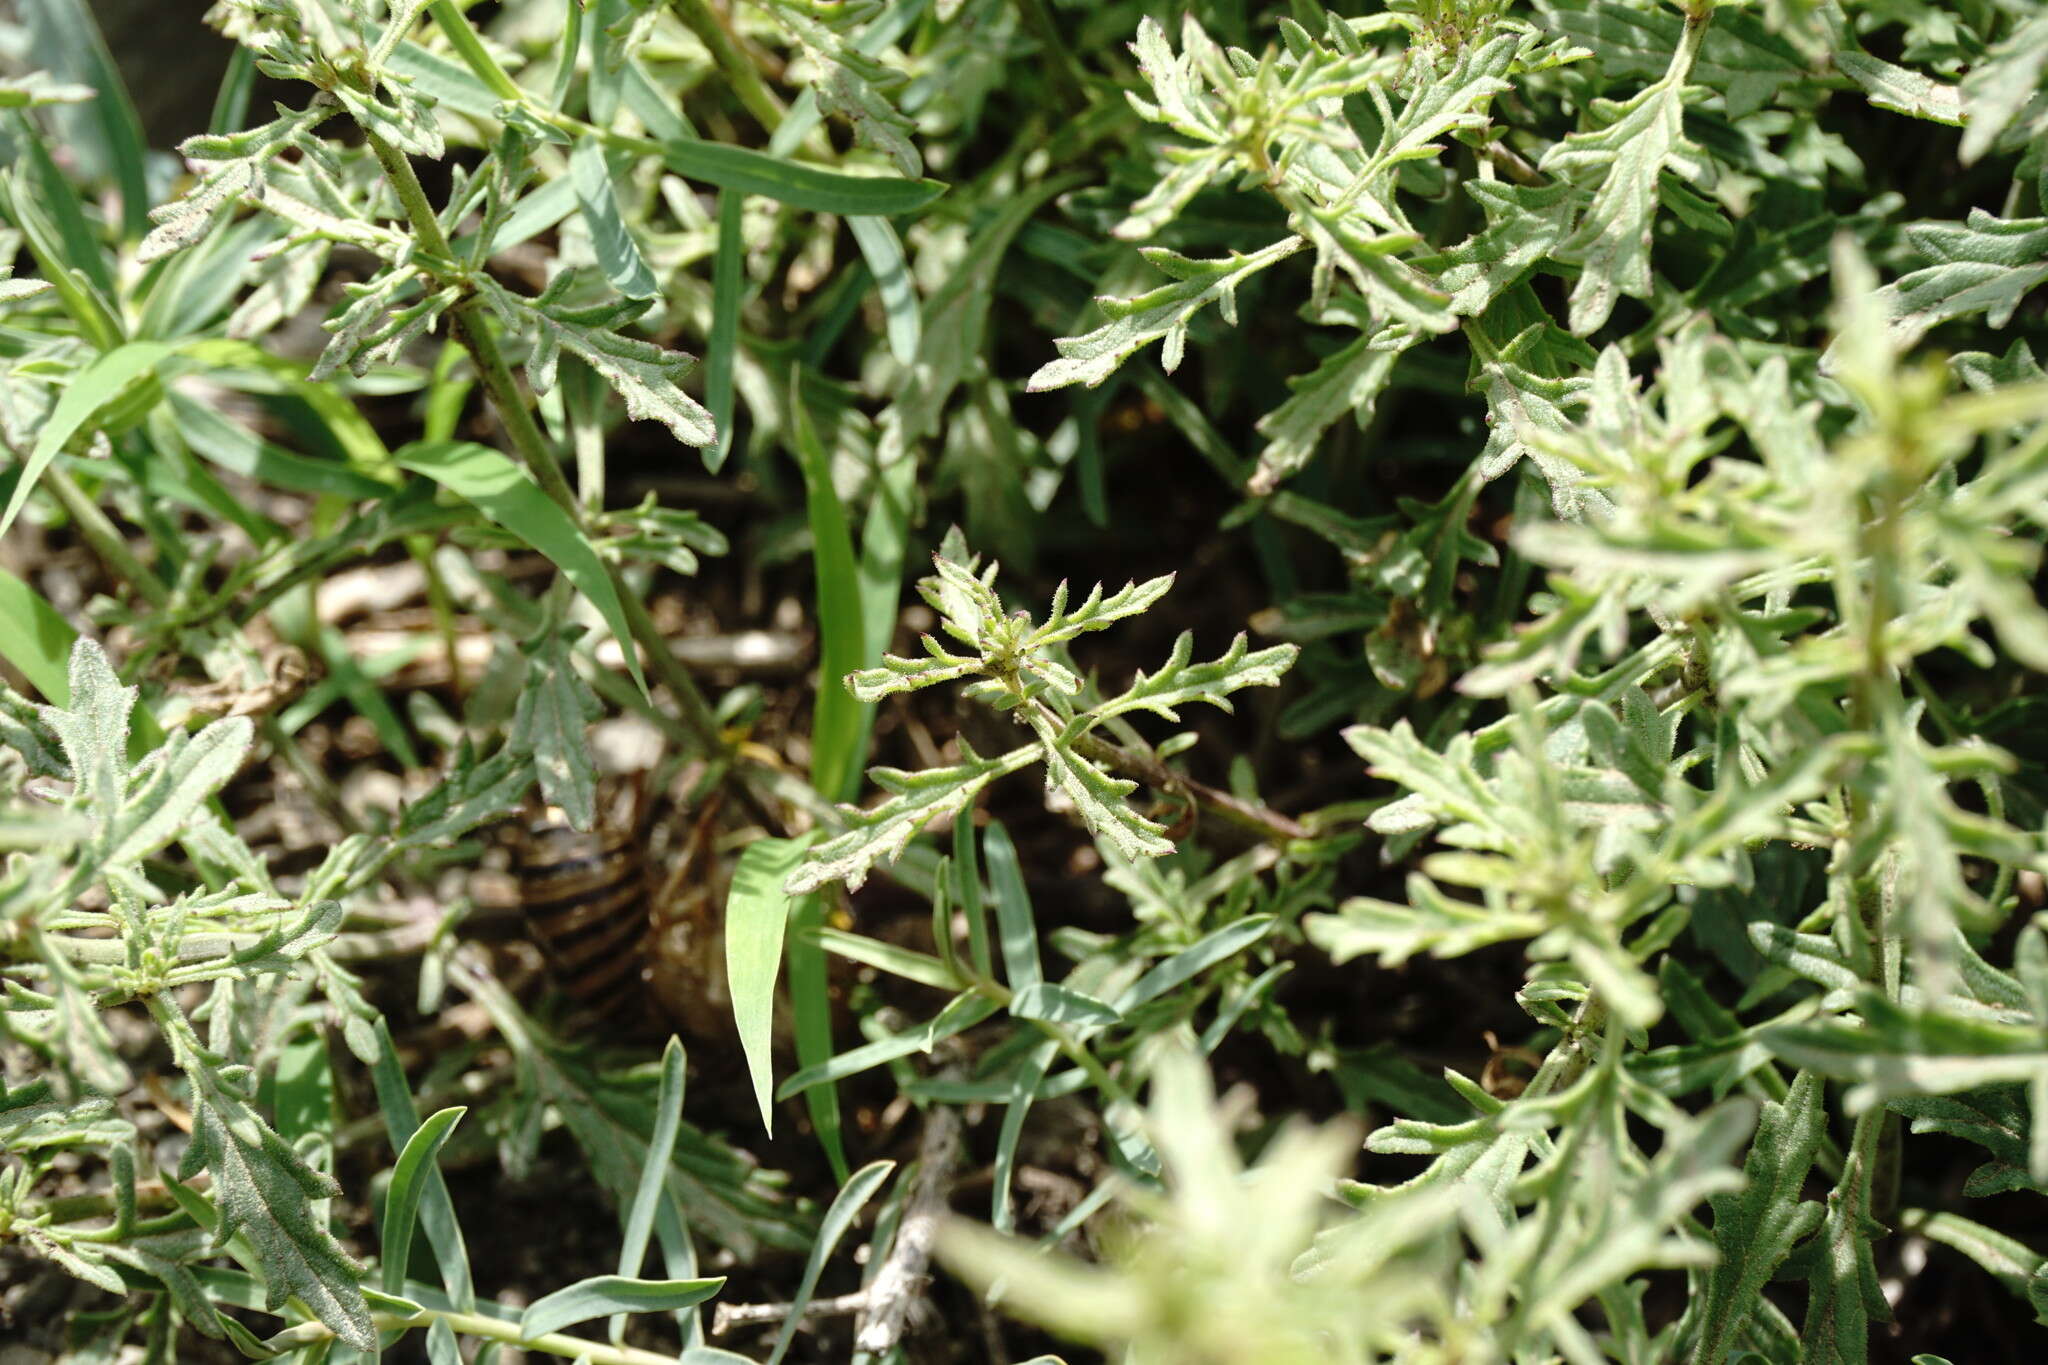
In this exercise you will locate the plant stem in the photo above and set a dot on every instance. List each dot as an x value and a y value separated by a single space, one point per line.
472 329
1261 821
738 67
105 538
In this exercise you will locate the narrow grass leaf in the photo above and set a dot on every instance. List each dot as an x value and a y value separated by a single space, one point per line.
967 870
94 387
1024 1083
64 39
1053 1004
728 280
966 1010
602 1295
508 496
907 963
436 1211
1184 966
408 1185
36 639
837 730
661 1145
756 916
1014 921
795 184
810 1001
853 1197
883 250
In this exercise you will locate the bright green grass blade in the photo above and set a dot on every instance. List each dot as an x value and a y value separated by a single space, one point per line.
810 1002
1184 966
884 541
36 639
668 1116
58 198
884 252
966 1010
602 1295
1014 922
853 1196
237 85
728 278
756 915
368 699
299 1090
967 871
799 186
907 963
838 734
97 385
508 495
1024 1083
436 1210
408 1185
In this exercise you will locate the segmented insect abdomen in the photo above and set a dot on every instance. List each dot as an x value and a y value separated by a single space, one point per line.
585 898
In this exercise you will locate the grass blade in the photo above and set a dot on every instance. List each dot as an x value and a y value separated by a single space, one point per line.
64 40
618 254
507 495
1014 921
728 278
661 1145
436 1210
1024 1085
36 639
602 1295
98 384
402 1199
838 731
967 869
884 252
756 915
1186 965
810 1001
853 1197
799 186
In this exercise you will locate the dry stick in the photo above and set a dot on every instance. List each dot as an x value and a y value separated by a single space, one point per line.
897 1287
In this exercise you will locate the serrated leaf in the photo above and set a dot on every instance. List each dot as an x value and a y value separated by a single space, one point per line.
647 376
264 1189
1097 797
1997 88
1755 1231
1349 380
1897 90
1623 159
884 830
1985 264
1178 682
1095 611
550 723
1164 313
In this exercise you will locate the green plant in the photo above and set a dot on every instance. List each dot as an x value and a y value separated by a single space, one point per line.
1619 421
